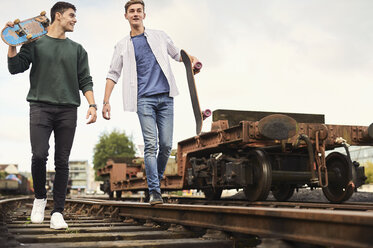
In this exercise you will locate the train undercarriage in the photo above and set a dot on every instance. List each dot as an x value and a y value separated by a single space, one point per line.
261 152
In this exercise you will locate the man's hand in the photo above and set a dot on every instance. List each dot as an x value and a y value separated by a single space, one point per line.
91 112
9 24
106 111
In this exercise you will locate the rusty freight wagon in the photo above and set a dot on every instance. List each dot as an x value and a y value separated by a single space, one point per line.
258 152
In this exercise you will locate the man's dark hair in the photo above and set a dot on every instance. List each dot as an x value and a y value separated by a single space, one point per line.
60 7
129 3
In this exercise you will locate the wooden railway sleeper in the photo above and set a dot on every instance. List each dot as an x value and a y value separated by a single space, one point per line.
114 213
100 212
130 220
73 207
89 211
79 211
216 234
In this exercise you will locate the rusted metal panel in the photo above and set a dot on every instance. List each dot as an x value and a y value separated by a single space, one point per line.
234 117
248 134
168 182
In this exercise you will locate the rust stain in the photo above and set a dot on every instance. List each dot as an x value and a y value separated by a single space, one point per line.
33 27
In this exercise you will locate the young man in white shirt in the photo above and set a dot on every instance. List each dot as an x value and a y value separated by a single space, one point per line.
148 89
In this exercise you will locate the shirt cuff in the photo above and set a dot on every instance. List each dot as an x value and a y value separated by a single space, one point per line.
12 60
114 79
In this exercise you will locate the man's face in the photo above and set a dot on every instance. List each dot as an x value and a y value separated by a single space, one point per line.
135 14
68 20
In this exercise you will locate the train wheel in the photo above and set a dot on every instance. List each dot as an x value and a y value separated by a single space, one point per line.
259 190
118 194
338 189
283 192
111 195
212 194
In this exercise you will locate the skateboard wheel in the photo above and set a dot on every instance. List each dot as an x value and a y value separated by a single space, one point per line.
16 21
43 13
206 113
198 66
29 36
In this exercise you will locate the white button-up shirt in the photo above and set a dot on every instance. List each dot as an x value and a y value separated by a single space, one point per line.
124 59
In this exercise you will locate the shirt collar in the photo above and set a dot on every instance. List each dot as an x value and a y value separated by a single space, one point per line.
145 33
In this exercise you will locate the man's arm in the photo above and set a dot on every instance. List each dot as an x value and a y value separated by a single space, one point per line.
106 105
12 51
18 62
91 110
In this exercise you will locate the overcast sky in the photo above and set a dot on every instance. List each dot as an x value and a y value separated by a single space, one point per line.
305 56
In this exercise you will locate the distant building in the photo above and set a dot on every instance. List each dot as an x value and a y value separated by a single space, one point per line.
78 177
79 171
9 168
93 186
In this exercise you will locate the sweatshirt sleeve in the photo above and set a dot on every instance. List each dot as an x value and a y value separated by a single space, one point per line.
84 77
21 62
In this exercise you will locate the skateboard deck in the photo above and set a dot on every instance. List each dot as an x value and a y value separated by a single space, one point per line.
25 31
190 71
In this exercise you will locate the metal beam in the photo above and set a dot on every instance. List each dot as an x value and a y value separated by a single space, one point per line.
324 227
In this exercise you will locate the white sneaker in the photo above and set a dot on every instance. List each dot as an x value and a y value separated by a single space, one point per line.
37 213
57 221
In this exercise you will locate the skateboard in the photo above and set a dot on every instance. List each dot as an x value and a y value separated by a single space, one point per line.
25 31
199 115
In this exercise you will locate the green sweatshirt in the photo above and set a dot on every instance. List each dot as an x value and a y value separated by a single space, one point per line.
59 70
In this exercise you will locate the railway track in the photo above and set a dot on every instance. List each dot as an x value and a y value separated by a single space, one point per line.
357 206
103 223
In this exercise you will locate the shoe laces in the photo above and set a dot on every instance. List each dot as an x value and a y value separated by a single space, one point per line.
39 205
58 217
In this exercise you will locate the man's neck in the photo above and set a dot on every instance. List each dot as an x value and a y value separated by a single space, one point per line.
137 30
56 31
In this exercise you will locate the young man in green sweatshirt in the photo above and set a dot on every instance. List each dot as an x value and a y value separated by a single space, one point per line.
59 70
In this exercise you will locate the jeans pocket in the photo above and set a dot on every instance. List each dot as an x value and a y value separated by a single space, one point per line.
67 117
144 108
169 106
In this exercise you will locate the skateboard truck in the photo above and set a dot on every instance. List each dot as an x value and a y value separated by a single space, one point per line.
20 32
206 113
43 20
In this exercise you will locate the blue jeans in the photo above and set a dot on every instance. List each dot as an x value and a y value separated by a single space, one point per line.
156 115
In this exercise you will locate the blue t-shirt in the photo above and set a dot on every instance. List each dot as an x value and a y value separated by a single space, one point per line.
150 77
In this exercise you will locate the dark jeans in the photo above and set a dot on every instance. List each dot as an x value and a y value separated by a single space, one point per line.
61 120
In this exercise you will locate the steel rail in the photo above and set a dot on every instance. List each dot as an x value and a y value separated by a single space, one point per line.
357 206
316 226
